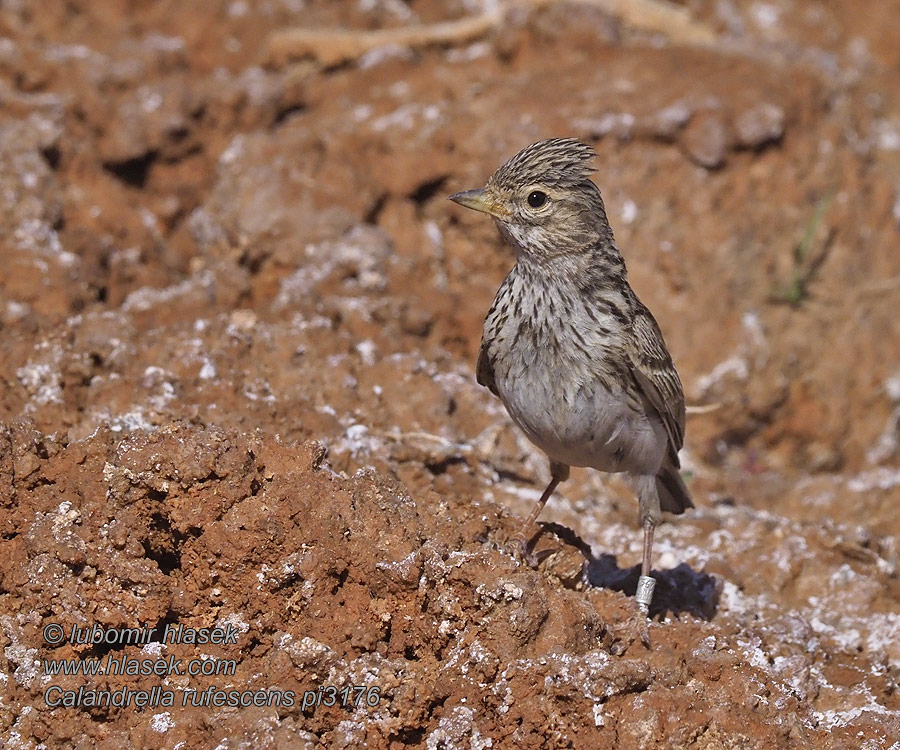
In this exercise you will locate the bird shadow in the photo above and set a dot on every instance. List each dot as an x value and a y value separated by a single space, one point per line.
678 590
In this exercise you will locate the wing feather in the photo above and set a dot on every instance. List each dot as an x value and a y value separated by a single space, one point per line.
656 376
484 371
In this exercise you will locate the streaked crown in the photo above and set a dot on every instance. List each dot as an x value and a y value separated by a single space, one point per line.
557 162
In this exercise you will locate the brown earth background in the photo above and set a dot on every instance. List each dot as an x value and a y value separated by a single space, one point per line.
238 324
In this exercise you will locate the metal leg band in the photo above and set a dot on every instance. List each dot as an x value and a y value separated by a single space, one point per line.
644 592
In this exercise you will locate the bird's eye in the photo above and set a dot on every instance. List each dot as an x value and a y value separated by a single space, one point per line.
537 198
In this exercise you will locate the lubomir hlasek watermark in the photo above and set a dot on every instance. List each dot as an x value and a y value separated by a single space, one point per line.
152 641
55 634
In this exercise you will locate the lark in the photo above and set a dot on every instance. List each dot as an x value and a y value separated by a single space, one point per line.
577 360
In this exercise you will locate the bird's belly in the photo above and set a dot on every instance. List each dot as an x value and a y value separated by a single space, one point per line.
583 424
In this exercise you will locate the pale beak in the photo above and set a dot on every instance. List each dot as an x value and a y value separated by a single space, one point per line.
479 200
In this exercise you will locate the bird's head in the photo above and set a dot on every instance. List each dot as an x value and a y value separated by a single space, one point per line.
543 200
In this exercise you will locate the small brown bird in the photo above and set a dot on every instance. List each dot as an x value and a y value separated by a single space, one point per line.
576 358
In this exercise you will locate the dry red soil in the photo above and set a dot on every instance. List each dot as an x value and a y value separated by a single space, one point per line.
238 326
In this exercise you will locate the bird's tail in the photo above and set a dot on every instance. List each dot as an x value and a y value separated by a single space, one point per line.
673 495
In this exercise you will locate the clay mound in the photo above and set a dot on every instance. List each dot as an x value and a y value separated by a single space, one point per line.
342 582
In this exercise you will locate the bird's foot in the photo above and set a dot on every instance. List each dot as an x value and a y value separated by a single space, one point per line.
641 625
643 596
519 546
530 550
634 626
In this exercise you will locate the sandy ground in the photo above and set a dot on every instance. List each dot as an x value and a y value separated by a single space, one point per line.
238 325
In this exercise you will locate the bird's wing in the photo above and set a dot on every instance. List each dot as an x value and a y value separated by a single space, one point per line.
656 376
484 371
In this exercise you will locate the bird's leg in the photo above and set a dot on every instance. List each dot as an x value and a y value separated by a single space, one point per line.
645 583
558 473
648 498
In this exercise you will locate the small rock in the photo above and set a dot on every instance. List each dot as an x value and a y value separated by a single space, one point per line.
759 125
668 122
618 124
243 320
706 140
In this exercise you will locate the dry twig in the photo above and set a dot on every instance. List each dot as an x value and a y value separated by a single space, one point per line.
330 47
702 408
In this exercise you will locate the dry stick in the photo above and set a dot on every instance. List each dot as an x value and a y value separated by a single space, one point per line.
691 409
882 286
656 16
332 47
